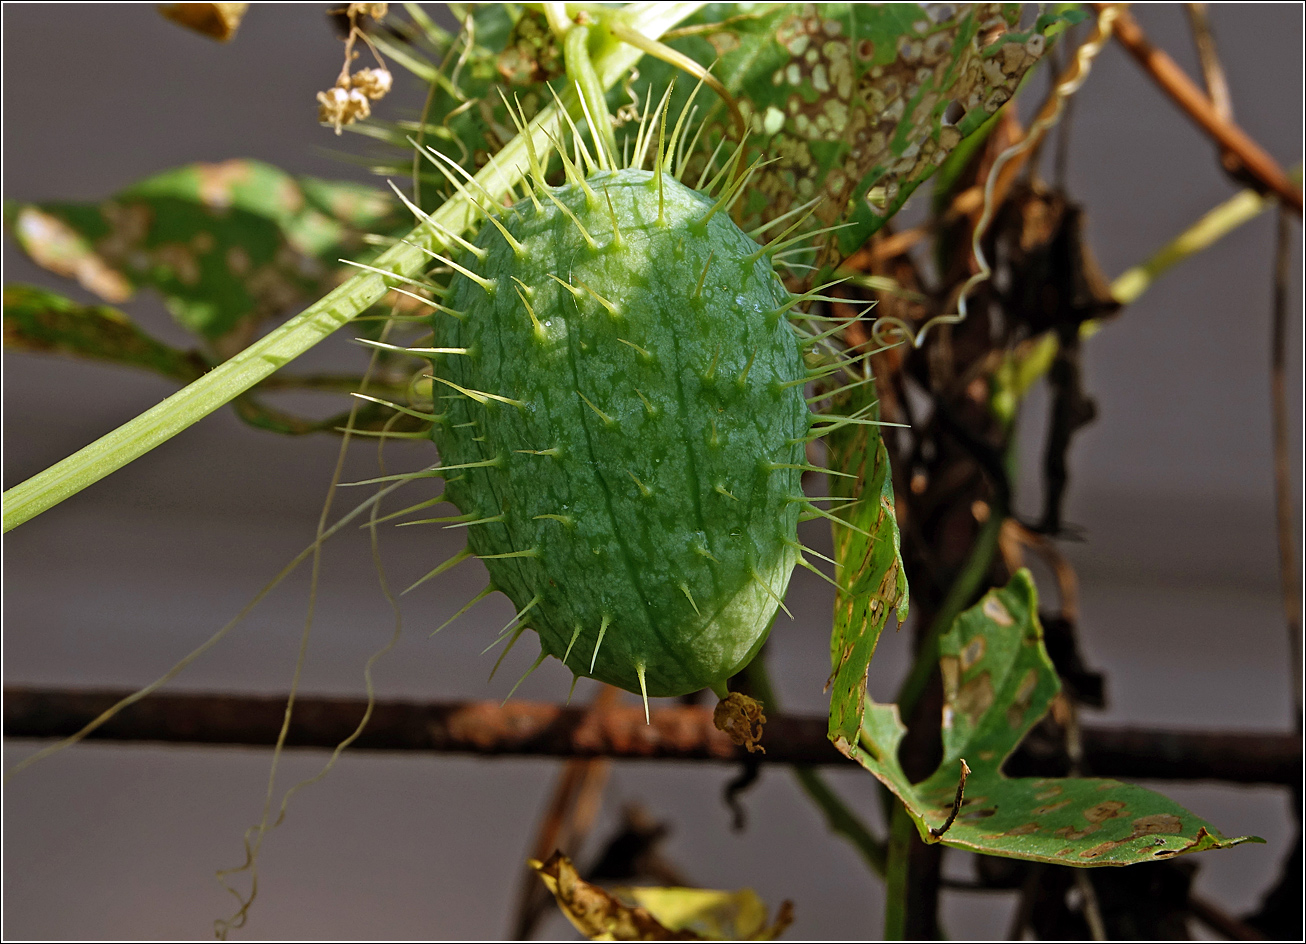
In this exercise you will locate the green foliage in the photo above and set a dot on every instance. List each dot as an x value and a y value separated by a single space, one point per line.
998 683
856 104
227 245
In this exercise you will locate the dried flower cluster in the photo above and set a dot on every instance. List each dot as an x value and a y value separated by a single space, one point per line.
348 100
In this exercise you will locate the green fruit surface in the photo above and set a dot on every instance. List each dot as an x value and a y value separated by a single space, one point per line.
640 467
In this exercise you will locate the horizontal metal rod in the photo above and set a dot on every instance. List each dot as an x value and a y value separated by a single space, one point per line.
519 729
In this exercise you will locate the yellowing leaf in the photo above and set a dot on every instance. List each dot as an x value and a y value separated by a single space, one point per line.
216 20
713 915
658 914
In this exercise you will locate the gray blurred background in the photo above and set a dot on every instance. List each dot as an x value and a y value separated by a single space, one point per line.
1172 485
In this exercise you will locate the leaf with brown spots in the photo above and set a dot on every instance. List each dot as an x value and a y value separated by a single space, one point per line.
227 245
868 570
998 683
857 104
43 321
658 914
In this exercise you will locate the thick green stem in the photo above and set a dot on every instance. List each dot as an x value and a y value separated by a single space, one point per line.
902 835
580 70
405 259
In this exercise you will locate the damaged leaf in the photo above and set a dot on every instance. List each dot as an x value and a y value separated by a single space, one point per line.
712 915
857 104
227 245
40 321
860 103
868 570
658 914
998 683
46 322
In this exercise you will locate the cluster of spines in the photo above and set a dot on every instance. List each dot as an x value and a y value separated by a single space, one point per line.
671 157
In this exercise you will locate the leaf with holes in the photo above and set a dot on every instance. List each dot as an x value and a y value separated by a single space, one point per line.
857 103
849 100
998 683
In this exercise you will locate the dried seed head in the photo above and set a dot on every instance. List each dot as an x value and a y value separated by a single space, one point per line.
339 106
374 83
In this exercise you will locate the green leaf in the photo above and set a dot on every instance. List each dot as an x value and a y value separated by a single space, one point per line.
998 683
228 245
44 321
868 570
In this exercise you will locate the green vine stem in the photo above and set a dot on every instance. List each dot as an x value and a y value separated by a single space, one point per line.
902 833
272 352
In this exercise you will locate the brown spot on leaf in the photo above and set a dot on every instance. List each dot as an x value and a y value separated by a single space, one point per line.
1165 823
975 697
973 652
1110 809
1051 807
950 669
1020 703
54 245
217 180
238 261
1099 849
180 261
1070 832
995 611
1024 829
723 41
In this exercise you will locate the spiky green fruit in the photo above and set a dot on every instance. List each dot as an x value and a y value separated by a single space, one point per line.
625 427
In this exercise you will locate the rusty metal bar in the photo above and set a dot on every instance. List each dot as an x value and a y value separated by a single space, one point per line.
530 729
